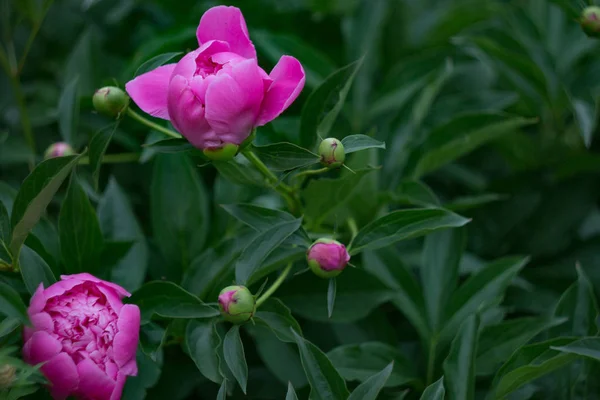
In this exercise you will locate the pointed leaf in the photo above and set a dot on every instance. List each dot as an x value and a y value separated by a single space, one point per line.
435 391
68 111
233 350
9 325
331 297
11 304
291 393
369 389
587 347
285 156
459 366
277 316
34 270
222 394
98 145
4 225
202 342
354 143
155 62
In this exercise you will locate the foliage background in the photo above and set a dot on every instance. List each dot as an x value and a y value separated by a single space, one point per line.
530 187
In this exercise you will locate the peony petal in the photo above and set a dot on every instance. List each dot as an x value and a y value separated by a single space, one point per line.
118 390
126 340
149 91
42 322
226 24
41 347
62 374
85 277
233 101
288 80
38 300
93 382
186 67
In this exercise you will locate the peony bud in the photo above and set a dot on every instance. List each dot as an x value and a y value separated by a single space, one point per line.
590 21
225 153
110 101
7 375
237 304
327 258
332 153
59 149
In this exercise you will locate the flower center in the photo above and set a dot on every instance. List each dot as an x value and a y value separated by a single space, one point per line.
206 66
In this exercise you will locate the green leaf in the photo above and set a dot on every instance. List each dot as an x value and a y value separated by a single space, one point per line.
359 362
114 251
459 366
291 393
277 316
586 347
35 194
529 363
68 111
402 225
325 382
4 225
172 145
463 135
168 300
317 118
81 240
155 62
202 342
180 231
259 249
9 325
285 156
98 145
354 143
240 172
439 273
233 350
152 339
222 394
587 119
331 289
11 304
369 389
469 202
118 222
430 92
416 193
435 391
480 291
34 270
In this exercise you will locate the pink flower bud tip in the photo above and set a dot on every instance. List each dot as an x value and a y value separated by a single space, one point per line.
237 304
590 21
59 149
327 258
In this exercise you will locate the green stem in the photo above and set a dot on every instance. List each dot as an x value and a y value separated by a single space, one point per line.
34 31
431 361
352 226
304 174
113 158
275 285
152 125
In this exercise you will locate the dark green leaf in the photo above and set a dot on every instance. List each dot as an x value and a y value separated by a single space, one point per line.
369 389
361 361
586 117
238 171
168 300
98 146
402 225
172 145
430 92
113 252
11 304
136 387
233 350
9 325
259 249
291 393
331 289
469 202
68 111
222 394
180 231
354 143
34 270
416 193
202 342
81 240
35 194
277 316
587 347
4 225
152 339
155 62
325 382
459 366
317 118
285 156
435 391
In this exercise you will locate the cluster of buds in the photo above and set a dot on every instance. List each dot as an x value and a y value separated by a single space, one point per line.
590 21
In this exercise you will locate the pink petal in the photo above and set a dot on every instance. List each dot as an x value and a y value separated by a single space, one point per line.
42 322
226 24
61 372
149 91
233 101
186 67
126 340
41 347
288 80
84 276
93 382
118 390
38 301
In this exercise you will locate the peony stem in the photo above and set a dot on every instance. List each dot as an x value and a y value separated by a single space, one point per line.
352 226
152 125
275 285
114 158
304 174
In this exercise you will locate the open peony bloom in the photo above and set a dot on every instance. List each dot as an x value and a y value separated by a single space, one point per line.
85 336
327 258
217 94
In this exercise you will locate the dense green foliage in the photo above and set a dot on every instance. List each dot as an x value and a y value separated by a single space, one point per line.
470 205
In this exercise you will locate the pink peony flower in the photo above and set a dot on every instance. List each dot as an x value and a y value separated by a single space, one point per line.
85 336
217 94
327 258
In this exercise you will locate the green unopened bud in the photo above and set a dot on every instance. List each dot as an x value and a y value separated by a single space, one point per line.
332 153
111 101
59 149
225 153
327 258
590 21
7 375
237 304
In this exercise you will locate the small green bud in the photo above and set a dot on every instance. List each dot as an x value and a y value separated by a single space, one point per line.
590 21
237 304
332 153
59 149
327 258
110 101
225 153
7 375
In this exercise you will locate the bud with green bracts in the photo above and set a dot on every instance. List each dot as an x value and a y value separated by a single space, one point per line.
332 153
111 101
237 304
327 258
590 21
58 149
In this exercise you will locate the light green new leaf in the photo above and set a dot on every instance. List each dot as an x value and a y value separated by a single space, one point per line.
435 391
355 143
233 350
291 393
369 389
459 366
